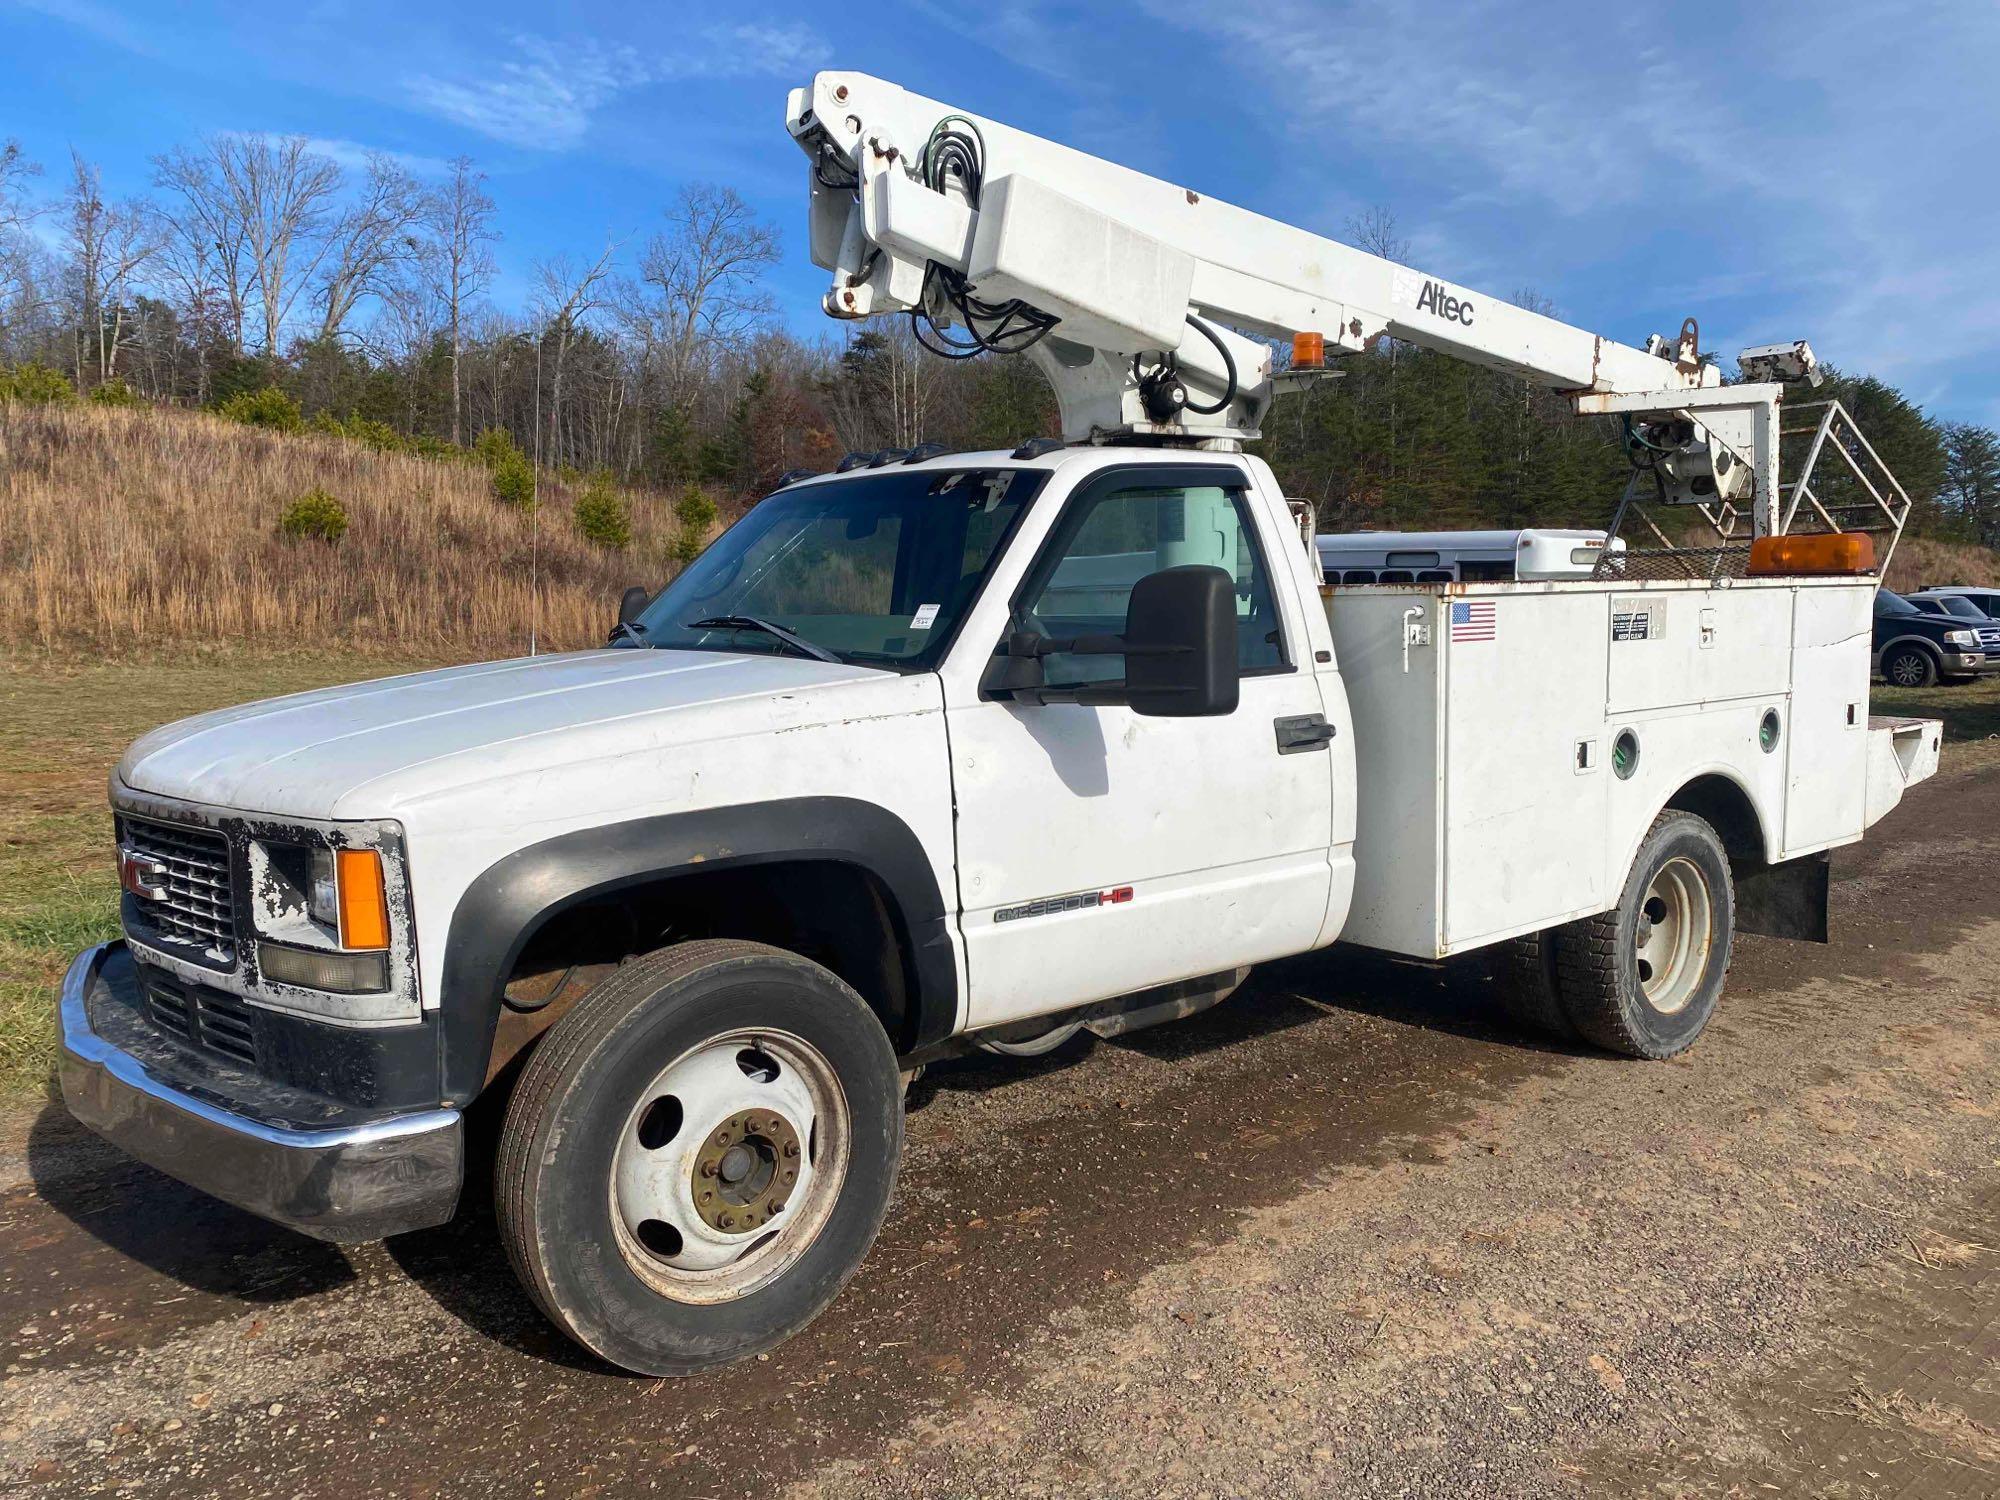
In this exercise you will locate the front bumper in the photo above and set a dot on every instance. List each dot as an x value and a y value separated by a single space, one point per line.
337 1174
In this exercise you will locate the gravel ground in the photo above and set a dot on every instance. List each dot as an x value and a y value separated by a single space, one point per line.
1342 1235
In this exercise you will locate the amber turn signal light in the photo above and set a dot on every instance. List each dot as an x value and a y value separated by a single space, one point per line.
1838 552
1308 351
364 908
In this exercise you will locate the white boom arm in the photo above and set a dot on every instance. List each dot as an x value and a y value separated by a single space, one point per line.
1122 258
981 228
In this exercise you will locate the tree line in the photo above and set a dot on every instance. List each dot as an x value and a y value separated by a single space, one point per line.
363 291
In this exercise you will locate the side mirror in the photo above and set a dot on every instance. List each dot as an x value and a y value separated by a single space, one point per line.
1180 643
632 604
1179 647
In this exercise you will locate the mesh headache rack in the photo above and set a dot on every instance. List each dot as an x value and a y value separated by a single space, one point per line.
1838 484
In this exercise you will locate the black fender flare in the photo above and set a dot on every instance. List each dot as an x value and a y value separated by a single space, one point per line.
510 900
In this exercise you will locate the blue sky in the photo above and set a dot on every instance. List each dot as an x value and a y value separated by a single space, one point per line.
1780 171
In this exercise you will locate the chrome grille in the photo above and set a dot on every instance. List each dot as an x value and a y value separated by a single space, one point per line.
195 1013
196 920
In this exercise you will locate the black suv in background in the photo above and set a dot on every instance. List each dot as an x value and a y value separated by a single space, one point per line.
1915 647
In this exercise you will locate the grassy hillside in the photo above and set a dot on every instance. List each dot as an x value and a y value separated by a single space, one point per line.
128 528
1920 561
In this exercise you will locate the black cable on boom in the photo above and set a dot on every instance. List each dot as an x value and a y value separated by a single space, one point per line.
956 150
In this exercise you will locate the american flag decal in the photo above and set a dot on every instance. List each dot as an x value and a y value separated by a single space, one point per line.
1473 621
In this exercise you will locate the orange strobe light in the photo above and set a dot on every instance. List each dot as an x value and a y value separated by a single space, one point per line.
1837 552
364 909
1308 351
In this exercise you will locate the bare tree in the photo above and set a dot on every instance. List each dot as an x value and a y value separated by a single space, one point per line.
568 293
366 244
207 250
281 194
701 280
15 170
457 262
15 212
1375 230
107 244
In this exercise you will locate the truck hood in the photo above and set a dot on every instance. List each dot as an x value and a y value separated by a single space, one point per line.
368 749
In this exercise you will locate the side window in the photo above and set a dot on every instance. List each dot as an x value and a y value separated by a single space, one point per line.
1111 540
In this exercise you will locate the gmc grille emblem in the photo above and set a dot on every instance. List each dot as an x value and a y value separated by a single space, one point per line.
142 875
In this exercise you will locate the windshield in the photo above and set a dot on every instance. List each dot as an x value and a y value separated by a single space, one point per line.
878 568
1887 603
1952 604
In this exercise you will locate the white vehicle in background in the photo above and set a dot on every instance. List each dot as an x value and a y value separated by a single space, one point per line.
1527 554
944 750
1986 600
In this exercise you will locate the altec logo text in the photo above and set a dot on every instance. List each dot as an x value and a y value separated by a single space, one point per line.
1435 299
1048 906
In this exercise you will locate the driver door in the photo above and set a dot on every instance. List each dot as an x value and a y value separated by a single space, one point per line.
1099 851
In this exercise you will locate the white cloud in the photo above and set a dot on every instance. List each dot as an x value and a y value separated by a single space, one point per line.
545 95
1794 176
352 156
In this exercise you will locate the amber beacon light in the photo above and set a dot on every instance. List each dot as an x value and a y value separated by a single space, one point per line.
1833 553
1308 351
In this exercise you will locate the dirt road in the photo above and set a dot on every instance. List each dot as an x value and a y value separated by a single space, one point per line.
1343 1235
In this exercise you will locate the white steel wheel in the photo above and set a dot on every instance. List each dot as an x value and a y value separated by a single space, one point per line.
729 1165
698 1155
1672 938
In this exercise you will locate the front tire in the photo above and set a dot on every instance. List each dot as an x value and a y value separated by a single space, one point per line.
699 1155
1643 978
1910 667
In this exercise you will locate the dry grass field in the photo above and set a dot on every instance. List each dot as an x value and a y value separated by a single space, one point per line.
1920 561
121 530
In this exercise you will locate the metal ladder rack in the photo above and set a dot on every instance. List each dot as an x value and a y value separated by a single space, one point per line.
1860 494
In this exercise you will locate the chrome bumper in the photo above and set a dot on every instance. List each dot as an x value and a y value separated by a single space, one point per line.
349 1183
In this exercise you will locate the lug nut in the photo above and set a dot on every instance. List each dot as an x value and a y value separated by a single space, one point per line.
729 1221
708 1169
791 1148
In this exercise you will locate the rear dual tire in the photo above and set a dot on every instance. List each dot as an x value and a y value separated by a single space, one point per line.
1644 978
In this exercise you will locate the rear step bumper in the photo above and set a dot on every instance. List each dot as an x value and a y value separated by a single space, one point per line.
1901 753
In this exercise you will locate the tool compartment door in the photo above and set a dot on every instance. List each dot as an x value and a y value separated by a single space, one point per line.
1672 647
1826 742
1527 763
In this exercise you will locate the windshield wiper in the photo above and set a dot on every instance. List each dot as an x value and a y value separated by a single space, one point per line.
751 622
627 630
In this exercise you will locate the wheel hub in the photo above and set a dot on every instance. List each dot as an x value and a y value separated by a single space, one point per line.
746 1170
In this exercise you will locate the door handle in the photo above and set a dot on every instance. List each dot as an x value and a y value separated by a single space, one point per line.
1303 732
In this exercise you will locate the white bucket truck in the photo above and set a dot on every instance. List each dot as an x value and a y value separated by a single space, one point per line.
903 764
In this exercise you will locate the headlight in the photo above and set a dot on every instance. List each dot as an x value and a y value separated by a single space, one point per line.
1961 637
323 898
322 916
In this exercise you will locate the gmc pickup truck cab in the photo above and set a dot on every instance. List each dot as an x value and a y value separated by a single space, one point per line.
932 752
